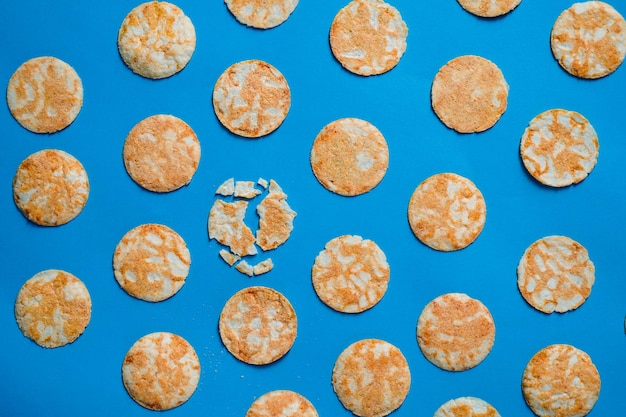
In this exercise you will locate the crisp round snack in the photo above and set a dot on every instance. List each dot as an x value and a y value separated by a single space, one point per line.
45 94
469 94
53 308
151 262
559 148
351 274
555 274
161 371
455 332
261 14
161 153
489 8
258 325
282 403
447 212
50 187
589 39
466 407
156 39
349 156
368 37
561 381
371 378
251 98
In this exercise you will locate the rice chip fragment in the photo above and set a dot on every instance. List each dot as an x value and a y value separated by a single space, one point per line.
351 274
489 8
561 381
559 148
258 325
261 14
275 218
466 407
589 39
371 378
245 189
53 308
45 94
161 371
227 188
283 403
368 37
226 225
555 274
455 332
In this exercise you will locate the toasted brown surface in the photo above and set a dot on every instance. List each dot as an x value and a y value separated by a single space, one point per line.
226 225
489 8
466 407
261 14
283 403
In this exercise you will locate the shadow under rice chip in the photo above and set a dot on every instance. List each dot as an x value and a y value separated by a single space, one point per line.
258 325
161 371
53 308
45 94
489 8
469 94
161 153
588 39
555 274
455 332
466 407
368 37
283 403
371 378
50 187
156 39
561 381
261 14
559 148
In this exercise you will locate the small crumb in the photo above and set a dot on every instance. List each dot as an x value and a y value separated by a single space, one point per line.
262 182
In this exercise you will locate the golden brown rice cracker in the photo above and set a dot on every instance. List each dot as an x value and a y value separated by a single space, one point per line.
489 8
351 274
258 325
559 148
561 381
368 37
156 39
151 262
455 332
275 218
261 14
466 407
226 225
469 94
349 156
555 274
161 153
282 403
589 39
161 371
447 212
50 187
53 308
371 378
45 94
251 98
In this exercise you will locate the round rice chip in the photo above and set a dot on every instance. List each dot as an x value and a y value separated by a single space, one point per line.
371 378
559 148
561 381
555 274
151 262
50 187
368 37
261 14
258 325
53 308
156 39
282 403
466 407
349 156
589 39
469 94
351 274
455 332
251 98
489 8
161 153
447 212
45 94
161 371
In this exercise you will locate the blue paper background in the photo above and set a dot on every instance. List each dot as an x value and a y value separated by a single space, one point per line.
84 378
